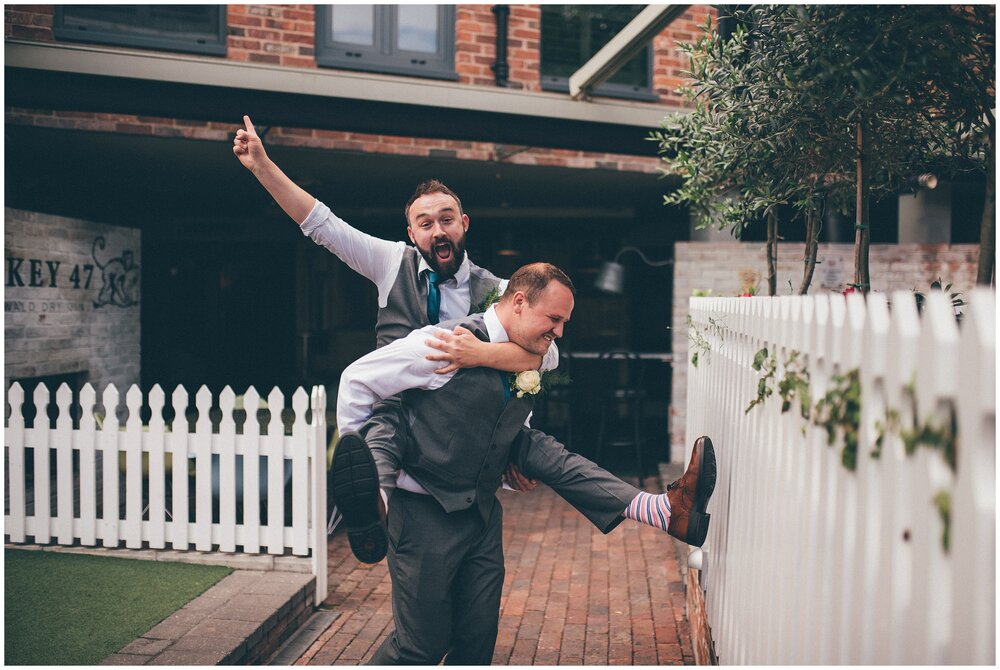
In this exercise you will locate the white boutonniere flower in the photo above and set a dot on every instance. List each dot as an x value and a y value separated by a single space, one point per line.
529 381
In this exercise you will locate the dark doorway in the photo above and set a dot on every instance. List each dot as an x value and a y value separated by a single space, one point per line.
218 312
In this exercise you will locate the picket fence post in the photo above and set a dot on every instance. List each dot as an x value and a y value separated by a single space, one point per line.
16 473
179 445
880 553
202 450
867 577
317 487
154 445
109 449
300 474
132 526
974 505
251 472
226 442
274 448
64 467
86 441
154 462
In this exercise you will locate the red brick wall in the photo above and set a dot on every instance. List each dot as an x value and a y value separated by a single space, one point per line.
718 266
285 35
475 48
279 628
701 632
670 62
524 46
329 139
475 45
28 22
278 34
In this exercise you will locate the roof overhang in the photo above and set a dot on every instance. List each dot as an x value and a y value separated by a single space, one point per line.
106 79
622 47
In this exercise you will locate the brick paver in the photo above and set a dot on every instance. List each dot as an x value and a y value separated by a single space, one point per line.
242 619
572 596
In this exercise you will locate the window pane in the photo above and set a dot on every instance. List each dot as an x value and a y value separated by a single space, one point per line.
181 21
393 39
571 34
353 24
418 28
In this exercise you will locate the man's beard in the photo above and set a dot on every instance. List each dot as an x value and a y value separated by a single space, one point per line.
448 269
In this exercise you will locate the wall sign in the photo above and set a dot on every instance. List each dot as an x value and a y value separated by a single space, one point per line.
116 280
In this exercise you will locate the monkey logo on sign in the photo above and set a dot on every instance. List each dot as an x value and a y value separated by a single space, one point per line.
119 277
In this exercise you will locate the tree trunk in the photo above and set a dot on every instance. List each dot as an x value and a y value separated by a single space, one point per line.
862 224
986 269
772 252
812 247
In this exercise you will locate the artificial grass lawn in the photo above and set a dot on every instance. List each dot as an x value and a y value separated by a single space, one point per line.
73 609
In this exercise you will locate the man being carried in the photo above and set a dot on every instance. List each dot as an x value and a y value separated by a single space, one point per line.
444 521
417 286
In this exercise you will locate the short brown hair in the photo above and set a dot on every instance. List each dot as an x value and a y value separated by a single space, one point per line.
430 186
532 280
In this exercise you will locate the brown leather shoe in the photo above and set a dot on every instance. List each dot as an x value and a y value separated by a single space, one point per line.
689 495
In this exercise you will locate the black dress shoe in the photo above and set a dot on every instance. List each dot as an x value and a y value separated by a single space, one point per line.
354 480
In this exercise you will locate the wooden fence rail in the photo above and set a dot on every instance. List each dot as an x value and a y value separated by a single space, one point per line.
854 518
243 487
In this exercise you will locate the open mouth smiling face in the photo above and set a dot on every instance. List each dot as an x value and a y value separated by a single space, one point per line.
444 252
437 228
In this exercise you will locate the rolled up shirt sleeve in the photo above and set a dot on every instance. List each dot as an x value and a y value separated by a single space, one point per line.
396 367
376 259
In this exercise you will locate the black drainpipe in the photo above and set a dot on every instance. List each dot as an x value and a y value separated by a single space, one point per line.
500 67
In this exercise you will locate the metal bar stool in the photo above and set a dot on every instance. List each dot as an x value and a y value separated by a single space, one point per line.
623 373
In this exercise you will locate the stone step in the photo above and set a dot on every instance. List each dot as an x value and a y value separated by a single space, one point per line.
242 620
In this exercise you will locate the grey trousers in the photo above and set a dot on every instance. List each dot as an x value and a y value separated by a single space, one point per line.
447 575
386 435
591 490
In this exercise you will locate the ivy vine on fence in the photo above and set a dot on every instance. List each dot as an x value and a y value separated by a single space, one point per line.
698 342
838 412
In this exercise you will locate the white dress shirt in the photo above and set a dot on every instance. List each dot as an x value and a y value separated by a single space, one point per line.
380 260
397 367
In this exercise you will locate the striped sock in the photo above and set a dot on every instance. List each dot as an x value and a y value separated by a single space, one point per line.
650 509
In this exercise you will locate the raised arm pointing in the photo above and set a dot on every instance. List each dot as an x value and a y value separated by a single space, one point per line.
289 196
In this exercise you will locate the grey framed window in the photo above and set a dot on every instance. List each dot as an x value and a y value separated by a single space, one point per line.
197 29
571 34
394 39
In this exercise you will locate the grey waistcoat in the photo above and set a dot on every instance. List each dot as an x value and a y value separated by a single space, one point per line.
462 433
406 305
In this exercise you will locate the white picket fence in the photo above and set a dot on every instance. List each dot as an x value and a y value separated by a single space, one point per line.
226 467
809 562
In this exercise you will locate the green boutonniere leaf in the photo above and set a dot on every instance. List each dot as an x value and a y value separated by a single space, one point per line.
491 298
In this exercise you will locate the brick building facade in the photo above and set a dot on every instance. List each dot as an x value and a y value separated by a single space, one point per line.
71 301
116 116
135 134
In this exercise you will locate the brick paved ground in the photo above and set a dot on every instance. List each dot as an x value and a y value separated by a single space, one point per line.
572 596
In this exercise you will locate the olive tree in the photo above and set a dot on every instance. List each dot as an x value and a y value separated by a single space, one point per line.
828 106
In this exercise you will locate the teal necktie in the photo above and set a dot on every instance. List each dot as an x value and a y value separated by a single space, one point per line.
433 298
505 382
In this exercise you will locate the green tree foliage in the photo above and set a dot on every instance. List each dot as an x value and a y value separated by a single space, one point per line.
825 106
